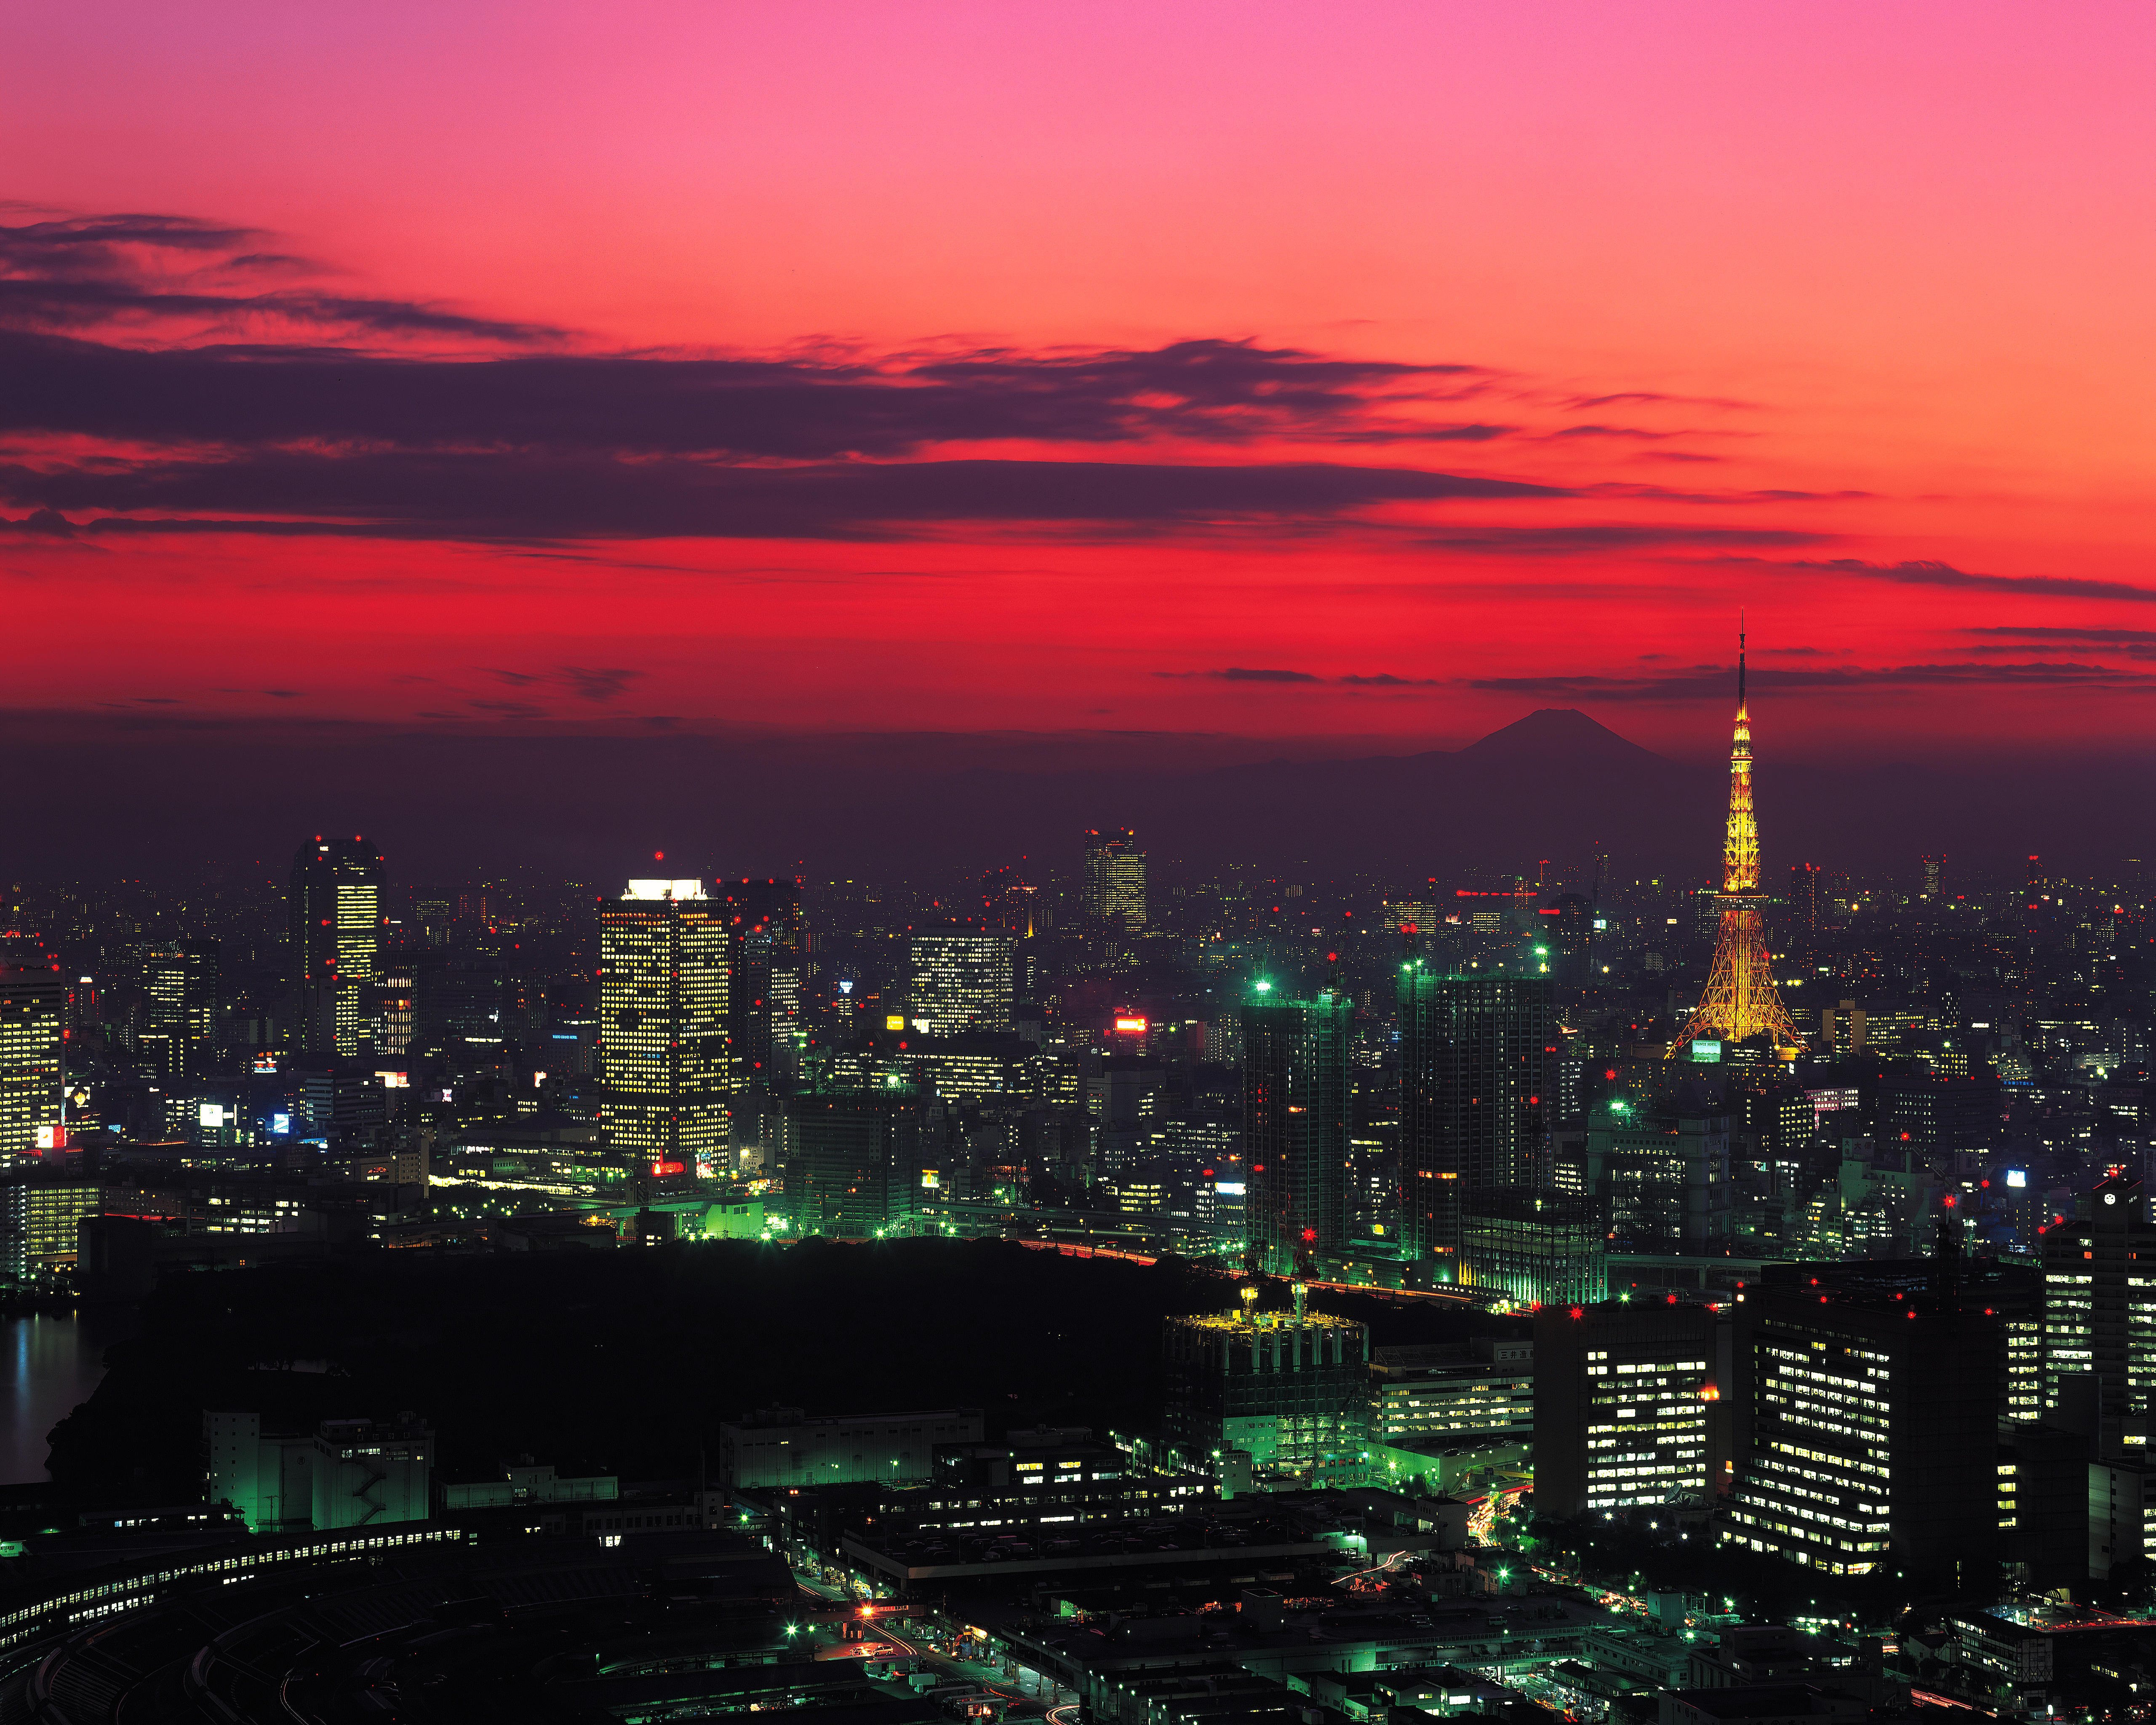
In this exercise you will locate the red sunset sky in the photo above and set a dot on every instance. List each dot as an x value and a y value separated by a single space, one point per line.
982 366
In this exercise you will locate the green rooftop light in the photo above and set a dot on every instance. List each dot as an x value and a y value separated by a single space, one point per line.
1265 988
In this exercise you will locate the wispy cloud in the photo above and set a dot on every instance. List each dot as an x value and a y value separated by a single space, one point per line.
1716 682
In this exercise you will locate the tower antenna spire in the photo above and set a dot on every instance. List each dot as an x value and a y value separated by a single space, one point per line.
1740 658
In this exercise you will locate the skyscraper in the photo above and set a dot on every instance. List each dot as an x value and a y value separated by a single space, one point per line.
853 1160
961 982
1475 1053
180 1038
1114 890
2100 1310
1741 1001
665 1064
764 994
1867 1404
33 1018
1621 1404
1934 868
1804 906
336 909
1295 1127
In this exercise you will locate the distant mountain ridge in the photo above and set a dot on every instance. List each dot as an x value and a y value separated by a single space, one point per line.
112 796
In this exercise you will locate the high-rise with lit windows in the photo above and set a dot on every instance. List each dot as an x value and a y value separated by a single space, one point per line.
1867 1405
2099 1308
180 1031
335 912
961 982
1621 1394
33 1025
666 1069
1115 887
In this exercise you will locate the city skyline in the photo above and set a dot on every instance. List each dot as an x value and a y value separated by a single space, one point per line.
1126 865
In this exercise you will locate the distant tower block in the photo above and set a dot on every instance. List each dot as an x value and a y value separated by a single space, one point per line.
1741 1000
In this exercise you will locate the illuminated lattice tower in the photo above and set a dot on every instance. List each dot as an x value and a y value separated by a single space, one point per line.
1741 1000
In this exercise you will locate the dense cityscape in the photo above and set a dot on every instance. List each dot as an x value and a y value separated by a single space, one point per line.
1686 1298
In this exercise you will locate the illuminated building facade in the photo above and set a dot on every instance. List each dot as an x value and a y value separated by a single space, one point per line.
666 1069
38 1221
1662 1173
1296 1128
1290 1389
396 1007
1475 1066
1741 1001
1440 1392
1537 1247
1115 886
335 912
33 1026
1621 1399
2100 1309
1866 1416
180 1033
1040 1480
961 982
965 1068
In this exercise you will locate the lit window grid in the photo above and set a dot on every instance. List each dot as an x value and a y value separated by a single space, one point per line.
31 1047
668 1075
962 984
358 937
1647 1430
1810 1504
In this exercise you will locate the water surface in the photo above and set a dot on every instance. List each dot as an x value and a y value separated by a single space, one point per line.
49 1363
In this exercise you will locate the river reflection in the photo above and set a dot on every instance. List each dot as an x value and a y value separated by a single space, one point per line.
50 1364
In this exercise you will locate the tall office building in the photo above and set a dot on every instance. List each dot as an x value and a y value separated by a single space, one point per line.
2100 1309
1934 869
1115 889
961 982
336 909
1621 1395
767 974
395 1013
1662 1172
1295 1127
33 1026
1867 1403
180 1032
666 1069
1803 915
853 1159
1474 1071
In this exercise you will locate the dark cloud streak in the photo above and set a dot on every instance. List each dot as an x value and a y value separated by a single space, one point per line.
518 496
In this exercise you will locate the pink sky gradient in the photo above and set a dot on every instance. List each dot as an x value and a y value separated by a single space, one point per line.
1895 251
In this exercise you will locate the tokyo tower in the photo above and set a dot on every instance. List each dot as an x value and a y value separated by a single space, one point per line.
1741 999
